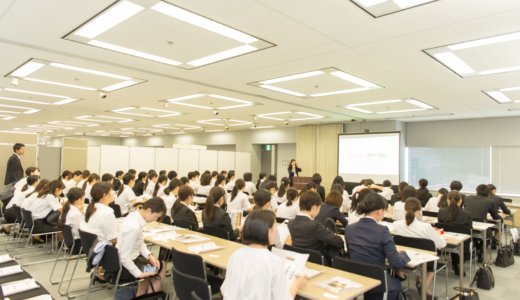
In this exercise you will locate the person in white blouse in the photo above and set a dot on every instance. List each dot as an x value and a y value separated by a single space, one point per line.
205 184
76 177
28 172
214 175
46 202
399 212
193 182
72 214
346 202
279 196
253 272
387 191
221 181
87 185
250 186
160 185
150 185
413 227
18 197
99 217
353 216
135 257
271 187
32 195
239 200
230 180
170 195
289 208
126 197
440 200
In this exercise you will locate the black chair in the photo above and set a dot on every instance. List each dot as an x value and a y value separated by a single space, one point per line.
167 220
201 195
87 242
185 284
469 247
29 224
67 247
428 245
216 232
280 220
116 208
194 296
430 213
330 224
314 256
194 265
363 269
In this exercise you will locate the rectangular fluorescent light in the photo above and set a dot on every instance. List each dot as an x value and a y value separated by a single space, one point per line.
453 62
118 86
116 14
202 22
35 93
310 116
409 3
7 118
370 3
399 111
293 77
339 92
60 84
23 100
511 89
419 103
353 79
358 109
27 69
89 71
277 89
486 41
31 111
230 122
498 96
92 118
65 101
134 52
261 127
222 55
501 70
376 102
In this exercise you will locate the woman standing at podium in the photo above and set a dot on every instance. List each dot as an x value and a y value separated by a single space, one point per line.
293 170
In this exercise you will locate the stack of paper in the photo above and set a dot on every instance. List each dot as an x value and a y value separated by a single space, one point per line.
293 262
338 284
41 297
19 286
190 238
10 270
159 229
204 248
417 258
5 258
310 273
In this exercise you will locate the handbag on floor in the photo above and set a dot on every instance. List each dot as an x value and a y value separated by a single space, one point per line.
484 278
505 256
466 294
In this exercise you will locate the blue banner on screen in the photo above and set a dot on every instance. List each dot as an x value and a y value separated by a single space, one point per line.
374 155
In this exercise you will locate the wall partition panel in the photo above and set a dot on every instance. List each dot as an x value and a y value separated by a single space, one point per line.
166 159
114 158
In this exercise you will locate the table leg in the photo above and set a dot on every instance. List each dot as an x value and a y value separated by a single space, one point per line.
461 265
484 249
424 287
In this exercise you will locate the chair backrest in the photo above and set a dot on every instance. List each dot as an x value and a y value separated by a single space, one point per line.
363 269
507 200
331 225
188 263
87 240
166 220
194 296
314 256
419 243
430 213
116 208
201 195
27 218
184 284
110 263
280 220
216 231
68 238
457 229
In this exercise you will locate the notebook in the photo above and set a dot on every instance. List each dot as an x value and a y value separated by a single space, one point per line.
6 271
19 286
338 284
5 258
205 248
190 238
293 262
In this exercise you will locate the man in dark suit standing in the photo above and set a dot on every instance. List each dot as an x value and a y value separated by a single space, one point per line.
14 169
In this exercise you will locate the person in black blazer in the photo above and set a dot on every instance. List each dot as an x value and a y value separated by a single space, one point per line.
309 234
14 169
330 209
316 178
182 215
214 216
499 201
480 205
293 170
369 242
422 192
139 184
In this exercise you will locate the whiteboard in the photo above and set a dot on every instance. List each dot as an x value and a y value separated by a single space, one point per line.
188 161
113 158
226 160
166 159
142 158
242 163
208 160
93 159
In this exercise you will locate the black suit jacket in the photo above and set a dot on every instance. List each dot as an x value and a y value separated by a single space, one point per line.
463 218
331 211
222 220
499 203
372 243
14 170
309 234
479 207
185 218
321 191
423 195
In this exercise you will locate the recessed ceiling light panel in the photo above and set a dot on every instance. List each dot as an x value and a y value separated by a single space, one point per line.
379 8
146 112
393 106
210 101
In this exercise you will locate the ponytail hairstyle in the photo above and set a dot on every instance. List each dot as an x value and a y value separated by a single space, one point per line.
99 190
43 183
215 194
151 175
400 189
91 178
30 181
261 177
66 175
284 184
239 185
358 197
185 192
73 195
219 180
230 175
453 207
291 195
443 202
371 202
30 170
51 188
162 178
140 176
127 178
411 205
174 183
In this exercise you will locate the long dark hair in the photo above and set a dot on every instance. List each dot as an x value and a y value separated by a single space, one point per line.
43 183
162 178
358 197
215 194
443 202
151 174
239 185
99 190
411 205
51 188
127 178
400 189
184 193
291 195
30 181
260 177
219 179
89 180
230 175
284 183
453 208
372 202
174 183
73 195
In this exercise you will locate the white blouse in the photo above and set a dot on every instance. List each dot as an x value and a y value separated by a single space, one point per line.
398 211
168 201
101 223
346 201
204 189
255 274
19 197
288 212
432 204
124 200
418 229
239 203
74 217
230 185
130 243
148 191
279 199
87 191
195 186
41 207
353 217
250 188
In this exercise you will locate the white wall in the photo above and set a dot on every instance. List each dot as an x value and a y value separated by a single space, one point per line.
92 141
286 152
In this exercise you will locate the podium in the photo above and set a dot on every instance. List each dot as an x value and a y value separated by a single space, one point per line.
300 182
